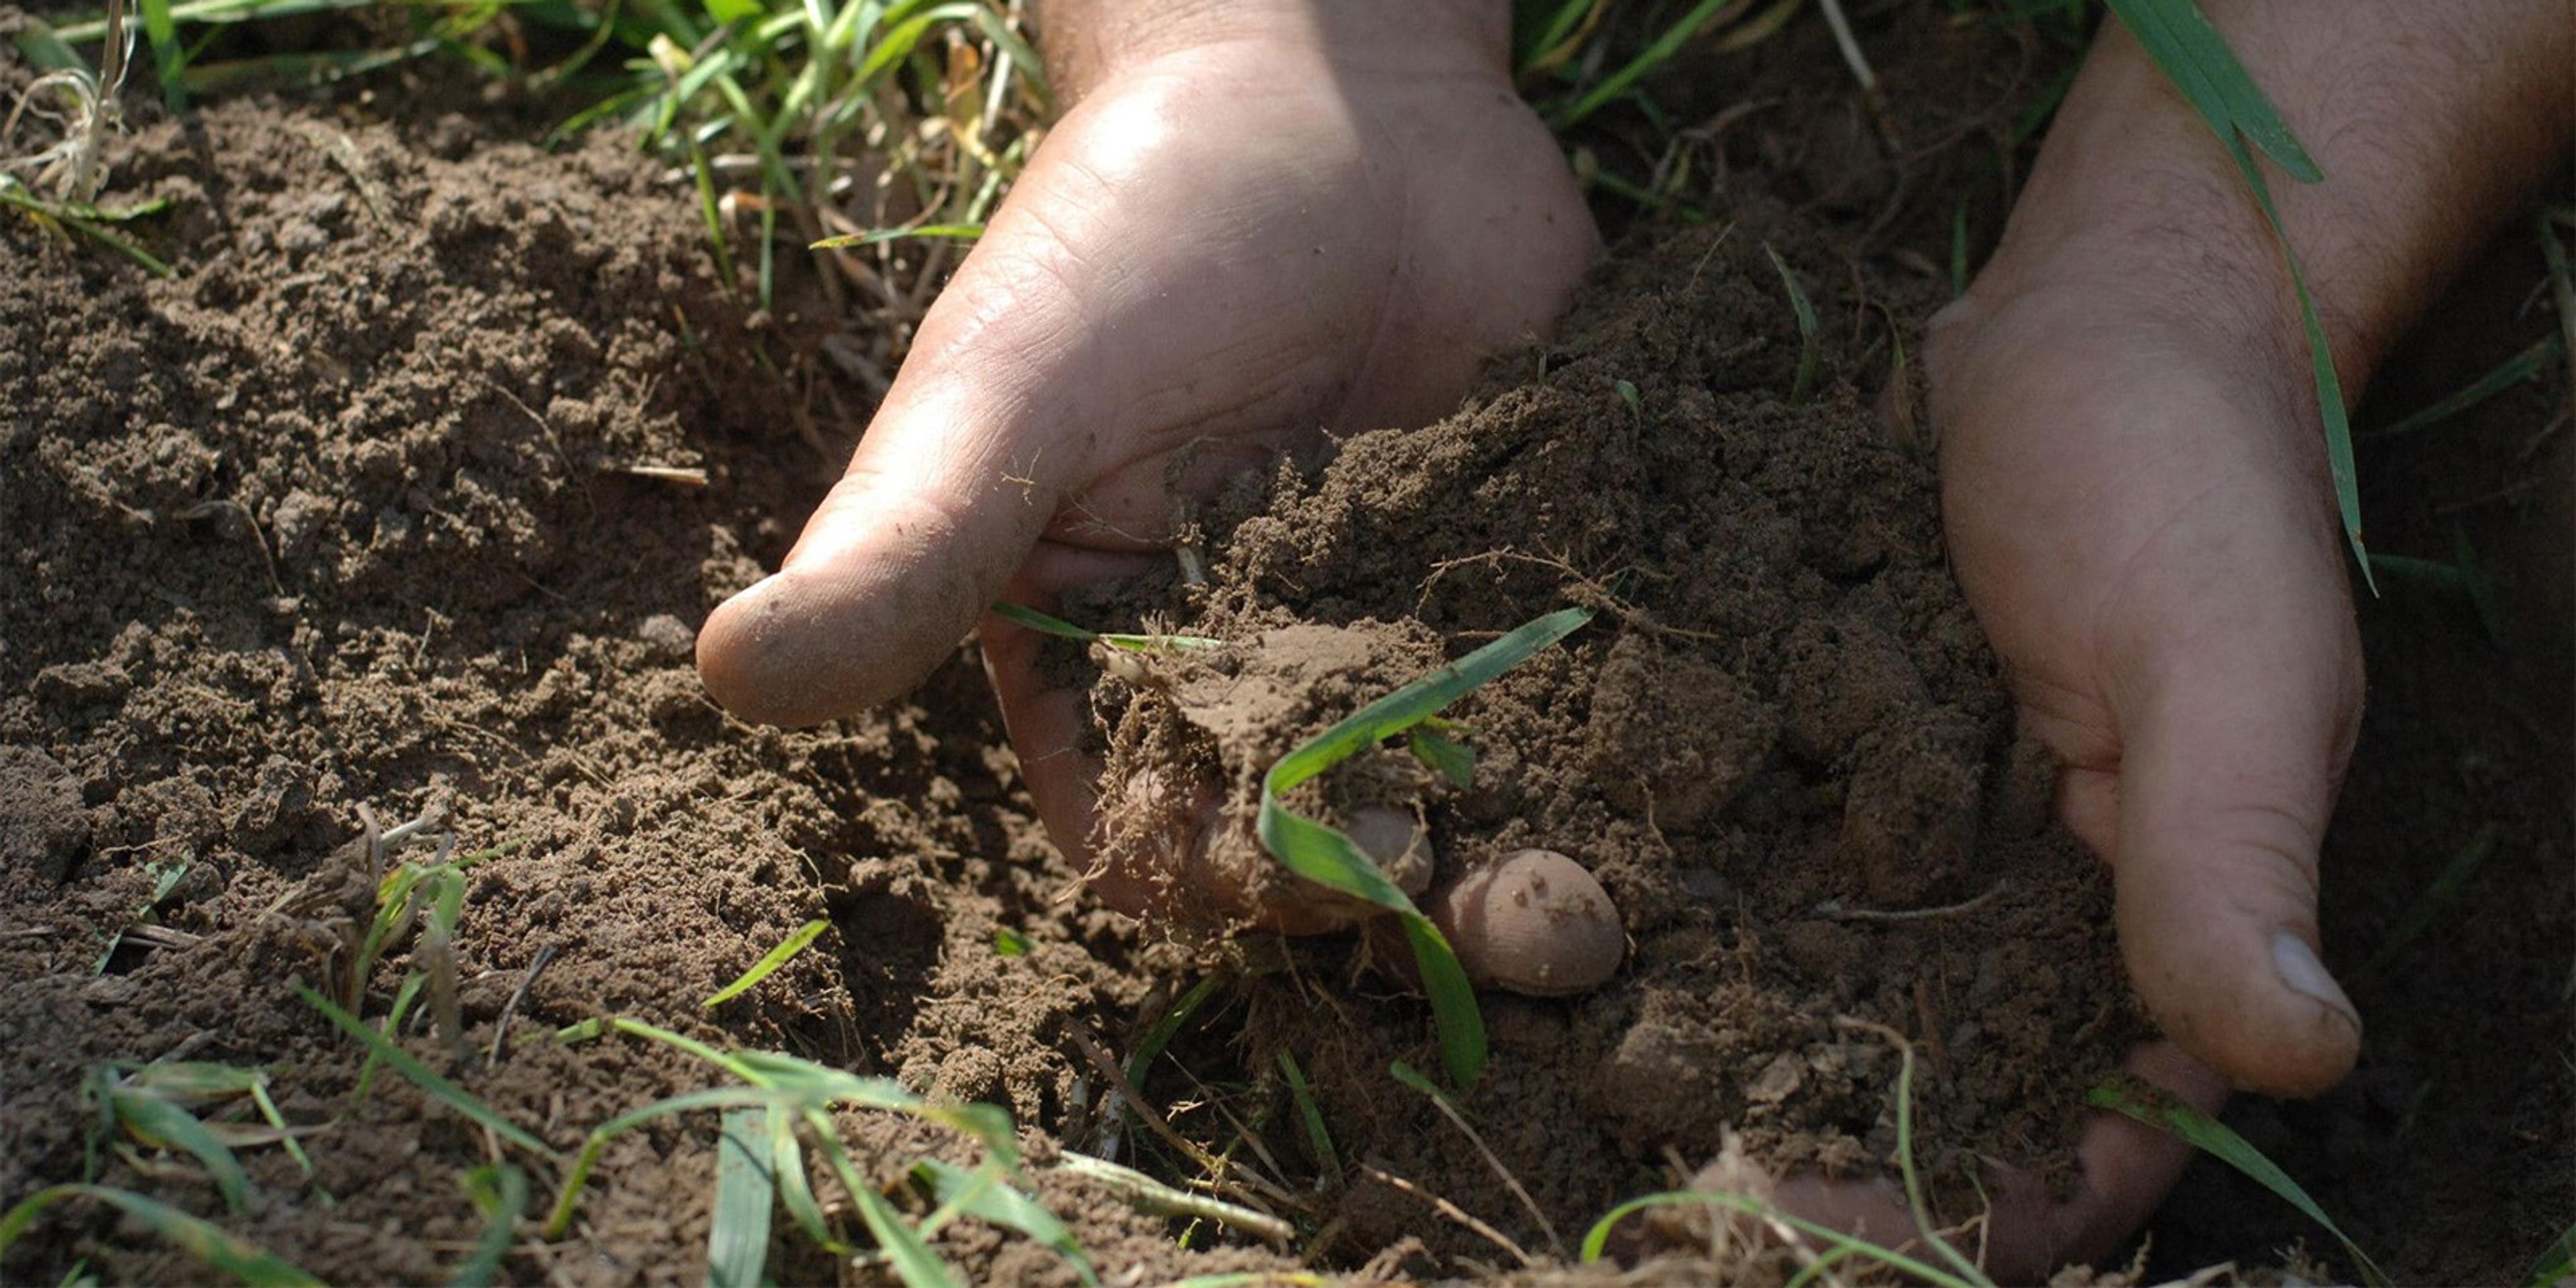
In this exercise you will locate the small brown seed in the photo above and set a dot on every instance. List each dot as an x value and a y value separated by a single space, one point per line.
1533 923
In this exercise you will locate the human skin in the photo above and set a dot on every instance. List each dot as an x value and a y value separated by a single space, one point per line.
1265 219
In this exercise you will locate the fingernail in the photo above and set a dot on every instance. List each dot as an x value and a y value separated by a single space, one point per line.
2305 975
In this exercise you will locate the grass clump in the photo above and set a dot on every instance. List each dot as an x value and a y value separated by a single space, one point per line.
153 1106
785 1095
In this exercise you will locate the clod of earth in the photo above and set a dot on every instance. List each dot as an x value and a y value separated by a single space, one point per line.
1535 923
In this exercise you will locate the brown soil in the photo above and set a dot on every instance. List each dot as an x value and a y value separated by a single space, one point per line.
1781 744
344 515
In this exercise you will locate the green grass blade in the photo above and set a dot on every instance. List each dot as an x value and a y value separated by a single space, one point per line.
1913 1181
46 50
1024 57
1256 1279
1654 55
1420 700
1445 756
1323 855
439 1088
191 1081
711 214
2436 896
948 232
2221 1142
2197 60
2512 371
216 1247
1165 1028
795 1188
1597 1240
168 61
2179 37
404 996
1045 625
317 68
158 1122
1412 1077
2557 1262
89 228
712 1098
1540 30
902 36
500 1192
768 965
1317 1135
746 1191
1809 352
912 1259
1000 1204
2562 280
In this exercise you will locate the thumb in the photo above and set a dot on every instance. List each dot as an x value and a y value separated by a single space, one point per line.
2231 751
951 486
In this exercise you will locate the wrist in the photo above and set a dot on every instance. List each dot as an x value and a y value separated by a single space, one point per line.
1087 43
2427 146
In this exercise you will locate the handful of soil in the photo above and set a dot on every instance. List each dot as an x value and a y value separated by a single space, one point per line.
1783 747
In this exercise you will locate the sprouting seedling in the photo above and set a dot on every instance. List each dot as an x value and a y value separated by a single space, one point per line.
499 1192
404 895
2220 1141
153 1104
1318 1136
1804 382
74 167
1324 855
1040 622
790 1094
769 964
165 881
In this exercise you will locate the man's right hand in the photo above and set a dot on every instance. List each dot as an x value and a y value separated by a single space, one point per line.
1259 222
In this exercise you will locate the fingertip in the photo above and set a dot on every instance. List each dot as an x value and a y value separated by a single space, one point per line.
737 649
2326 1028
800 648
2251 1001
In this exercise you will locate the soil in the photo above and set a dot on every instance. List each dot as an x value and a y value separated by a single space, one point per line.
344 521
1782 747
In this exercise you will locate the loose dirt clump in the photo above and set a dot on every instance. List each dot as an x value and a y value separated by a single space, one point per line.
1783 747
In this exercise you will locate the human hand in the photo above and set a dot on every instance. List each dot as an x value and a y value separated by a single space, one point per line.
2135 488
1258 224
